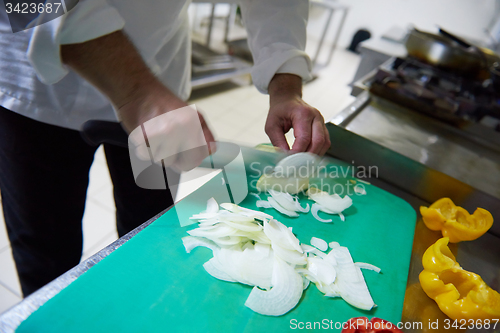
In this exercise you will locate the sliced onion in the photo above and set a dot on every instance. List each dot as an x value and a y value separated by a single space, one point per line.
359 189
245 211
248 267
319 244
192 242
285 200
294 165
283 296
250 227
280 209
212 206
315 209
212 232
299 208
371 267
324 272
288 202
263 204
333 245
333 204
217 273
306 282
290 256
307 248
280 235
350 281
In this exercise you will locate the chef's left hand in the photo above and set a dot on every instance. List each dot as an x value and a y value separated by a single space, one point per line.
287 111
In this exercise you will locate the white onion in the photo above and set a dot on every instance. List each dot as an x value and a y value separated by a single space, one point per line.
192 242
333 245
315 209
324 272
359 189
290 256
245 211
280 209
248 267
371 267
333 204
319 243
295 165
263 204
280 235
283 296
216 272
288 202
285 200
212 206
350 281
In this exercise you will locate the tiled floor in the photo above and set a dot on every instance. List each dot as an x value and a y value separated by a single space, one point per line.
234 114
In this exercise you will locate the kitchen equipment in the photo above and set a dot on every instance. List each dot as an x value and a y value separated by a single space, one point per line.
150 284
446 53
470 105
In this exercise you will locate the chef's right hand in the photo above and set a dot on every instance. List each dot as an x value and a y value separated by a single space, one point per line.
175 132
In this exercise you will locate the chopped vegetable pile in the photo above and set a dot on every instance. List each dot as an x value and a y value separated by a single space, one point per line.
251 247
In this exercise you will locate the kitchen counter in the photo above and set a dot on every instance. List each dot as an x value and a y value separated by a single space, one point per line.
402 170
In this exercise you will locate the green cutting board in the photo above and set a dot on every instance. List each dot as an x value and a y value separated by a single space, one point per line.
151 284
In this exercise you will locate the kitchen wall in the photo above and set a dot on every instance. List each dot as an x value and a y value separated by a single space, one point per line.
464 17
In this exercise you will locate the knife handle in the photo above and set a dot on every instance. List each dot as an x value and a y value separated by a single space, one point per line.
96 132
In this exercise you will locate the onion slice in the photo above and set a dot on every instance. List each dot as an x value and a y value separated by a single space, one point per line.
191 242
319 243
295 165
283 296
216 272
350 281
315 209
371 267
332 204
263 204
281 209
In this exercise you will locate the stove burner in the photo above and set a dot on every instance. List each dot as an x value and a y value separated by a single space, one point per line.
441 94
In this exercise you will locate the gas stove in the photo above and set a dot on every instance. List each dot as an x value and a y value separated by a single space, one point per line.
450 97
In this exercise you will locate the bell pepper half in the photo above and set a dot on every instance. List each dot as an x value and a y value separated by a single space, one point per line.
460 294
375 325
455 222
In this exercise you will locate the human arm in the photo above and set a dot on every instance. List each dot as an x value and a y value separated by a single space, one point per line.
112 64
288 110
277 37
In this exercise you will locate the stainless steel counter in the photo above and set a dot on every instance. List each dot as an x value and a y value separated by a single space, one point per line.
422 160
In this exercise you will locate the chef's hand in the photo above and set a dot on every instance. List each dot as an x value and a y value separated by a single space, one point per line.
176 133
113 65
288 110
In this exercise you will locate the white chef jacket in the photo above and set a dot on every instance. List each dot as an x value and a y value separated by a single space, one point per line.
35 83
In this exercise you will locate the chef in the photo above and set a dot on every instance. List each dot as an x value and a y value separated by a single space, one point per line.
127 61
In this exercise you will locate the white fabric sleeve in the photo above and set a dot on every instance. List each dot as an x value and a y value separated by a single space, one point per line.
277 38
90 19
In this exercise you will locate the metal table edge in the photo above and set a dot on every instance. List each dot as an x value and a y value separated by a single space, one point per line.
13 317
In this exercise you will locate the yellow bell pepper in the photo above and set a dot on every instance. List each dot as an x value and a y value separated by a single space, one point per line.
460 294
455 222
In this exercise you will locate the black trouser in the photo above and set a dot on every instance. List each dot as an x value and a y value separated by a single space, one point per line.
44 174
